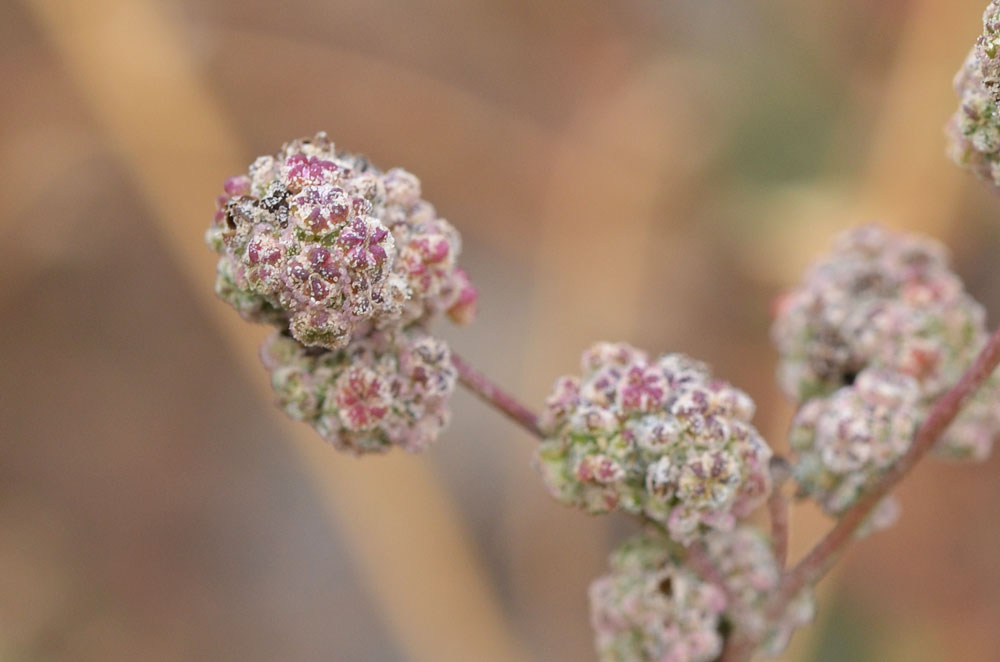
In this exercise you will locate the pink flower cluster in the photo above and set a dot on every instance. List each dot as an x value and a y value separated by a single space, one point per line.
986 52
327 244
877 332
389 388
650 609
750 574
888 301
974 129
845 441
660 438
350 264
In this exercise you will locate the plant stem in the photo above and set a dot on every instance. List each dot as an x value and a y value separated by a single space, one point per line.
736 649
699 561
816 563
777 508
495 396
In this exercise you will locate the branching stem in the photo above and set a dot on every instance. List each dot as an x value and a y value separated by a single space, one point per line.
496 397
817 562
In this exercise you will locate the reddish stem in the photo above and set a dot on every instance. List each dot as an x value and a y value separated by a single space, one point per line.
698 560
816 563
495 396
777 507
736 649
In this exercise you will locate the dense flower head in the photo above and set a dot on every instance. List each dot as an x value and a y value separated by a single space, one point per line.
879 299
844 442
386 388
324 243
658 437
974 129
887 301
986 53
650 609
750 572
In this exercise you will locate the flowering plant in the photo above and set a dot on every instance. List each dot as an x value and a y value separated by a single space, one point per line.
882 350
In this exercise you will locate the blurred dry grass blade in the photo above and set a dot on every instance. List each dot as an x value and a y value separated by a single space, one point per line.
909 180
628 149
130 66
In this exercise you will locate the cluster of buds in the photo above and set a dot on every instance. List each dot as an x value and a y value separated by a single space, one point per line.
658 438
649 607
384 389
879 329
751 574
845 441
326 244
974 129
652 606
350 264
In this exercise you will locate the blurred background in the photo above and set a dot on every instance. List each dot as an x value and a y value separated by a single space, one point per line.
645 170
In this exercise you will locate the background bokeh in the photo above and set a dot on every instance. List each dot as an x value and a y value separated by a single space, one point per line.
646 170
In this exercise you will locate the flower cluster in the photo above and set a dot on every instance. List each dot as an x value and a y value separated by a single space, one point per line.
328 245
750 574
974 129
878 330
845 441
385 389
651 608
350 264
986 49
660 438
890 301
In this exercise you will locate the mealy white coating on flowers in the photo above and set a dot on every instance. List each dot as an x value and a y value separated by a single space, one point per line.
986 53
888 301
659 437
649 609
384 389
974 129
745 561
322 242
846 441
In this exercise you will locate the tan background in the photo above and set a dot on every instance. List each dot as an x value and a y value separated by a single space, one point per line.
646 170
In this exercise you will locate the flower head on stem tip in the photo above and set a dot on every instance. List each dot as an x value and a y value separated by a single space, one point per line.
324 243
661 438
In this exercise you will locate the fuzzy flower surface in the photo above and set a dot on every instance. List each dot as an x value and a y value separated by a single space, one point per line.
986 52
650 609
974 129
846 441
324 243
886 301
385 389
746 563
661 438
